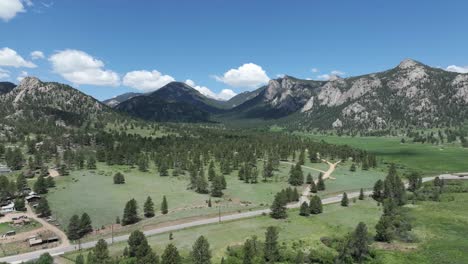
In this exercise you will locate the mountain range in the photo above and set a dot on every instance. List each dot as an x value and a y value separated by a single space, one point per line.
410 95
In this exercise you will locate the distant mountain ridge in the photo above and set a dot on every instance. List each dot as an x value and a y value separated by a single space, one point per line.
6 87
120 98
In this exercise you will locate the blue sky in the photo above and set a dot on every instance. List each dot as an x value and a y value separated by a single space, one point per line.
108 47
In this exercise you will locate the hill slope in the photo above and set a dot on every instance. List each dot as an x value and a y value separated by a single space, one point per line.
175 101
6 87
411 94
112 102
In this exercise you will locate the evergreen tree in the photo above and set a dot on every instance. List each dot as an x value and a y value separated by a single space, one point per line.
138 246
130 215
437 181
43 208
21 183
223 182
40 186
201 253
85 225
304 210
119 178
20 204
164 206
313 187
250 251
217 187
278 208
148 208
384 229
352 168
361 194
296 177
359 243
91 163
202 185
50 182
378 191
73 231
101 252
315 205
310 179
211 172
171 255
344 200
45 258
320 183
271 251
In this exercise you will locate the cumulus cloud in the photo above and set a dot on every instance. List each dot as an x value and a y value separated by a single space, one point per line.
9 57
249 75
4 74
333 75
10 8
224 95
37 54
146 80
79 67
459 69
21 76
314 70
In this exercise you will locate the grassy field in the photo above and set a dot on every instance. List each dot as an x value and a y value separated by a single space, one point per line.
308 229
5 227
442 229
94 192
427 158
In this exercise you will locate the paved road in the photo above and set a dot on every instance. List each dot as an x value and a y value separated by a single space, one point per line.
68 248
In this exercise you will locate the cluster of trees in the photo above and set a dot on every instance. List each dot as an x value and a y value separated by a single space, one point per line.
394 222
79 227
138 251
131 215
313 207
282 198
296 176
42 184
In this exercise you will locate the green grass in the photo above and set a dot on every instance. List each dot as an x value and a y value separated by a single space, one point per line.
335 220
442 229
352 181
93 192
427 158
143 131
5 227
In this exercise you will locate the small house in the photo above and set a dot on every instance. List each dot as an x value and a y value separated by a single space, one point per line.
34 242
7 208
33 198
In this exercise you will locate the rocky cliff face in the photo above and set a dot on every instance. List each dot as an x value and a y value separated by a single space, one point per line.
411 94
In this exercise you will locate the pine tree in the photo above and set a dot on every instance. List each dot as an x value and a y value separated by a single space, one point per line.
73 231
353 167
313 187
148 208
344 200
209 202
43 208
101 252
217 187
320 183
21 183
91 163
359 243
138 246
278 208
171 255
310 179
223 182
361 194
40 186
119 178
384 229
85 224
271 251
304 210
315 205
201 253
130 215
20 204
296 177
378 189
211 172
164 206
202 184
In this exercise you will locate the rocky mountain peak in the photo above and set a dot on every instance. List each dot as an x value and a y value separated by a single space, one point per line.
408 64
29 82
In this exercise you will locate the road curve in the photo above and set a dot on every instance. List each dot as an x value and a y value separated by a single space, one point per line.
69 248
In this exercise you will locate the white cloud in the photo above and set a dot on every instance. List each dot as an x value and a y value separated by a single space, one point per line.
459 69
224 95
4 74
21 76
146 80
10 8
314 70
28 2
37 54
79 67
9 57
331 76
248 75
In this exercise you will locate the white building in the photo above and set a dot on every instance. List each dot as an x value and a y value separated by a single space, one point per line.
8 208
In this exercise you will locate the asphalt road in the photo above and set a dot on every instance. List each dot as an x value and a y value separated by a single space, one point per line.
69 248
